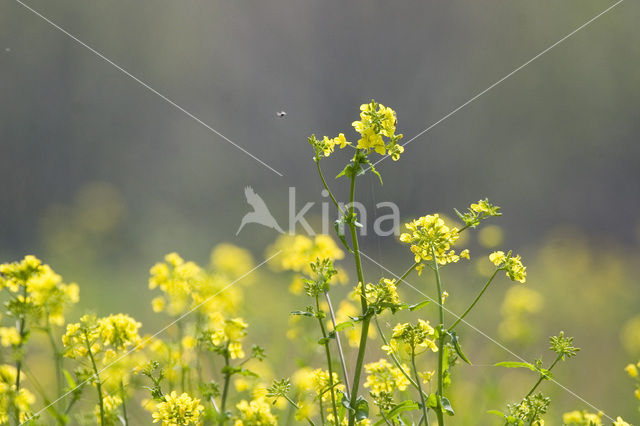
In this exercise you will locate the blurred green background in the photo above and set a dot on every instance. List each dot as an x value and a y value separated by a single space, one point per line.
100 177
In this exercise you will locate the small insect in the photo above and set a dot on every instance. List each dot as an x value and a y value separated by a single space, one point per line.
281 114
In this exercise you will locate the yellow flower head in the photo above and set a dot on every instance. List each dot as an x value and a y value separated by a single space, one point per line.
178 410
256 412
376 123
408 339
429 234
511 265
632 370
326 145
299 251
384 377
582 418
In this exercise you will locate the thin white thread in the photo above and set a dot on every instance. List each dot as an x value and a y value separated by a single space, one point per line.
147 86
590 21
575 395
148 339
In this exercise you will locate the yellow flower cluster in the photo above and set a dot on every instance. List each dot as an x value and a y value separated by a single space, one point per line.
178 410
408 339
321 384
111 403
112 333
10 398
582 418
430 233
632 371
177 279
298 251
377 122
231 334
512 265
254 413
383 295
45 294
326 145
382 376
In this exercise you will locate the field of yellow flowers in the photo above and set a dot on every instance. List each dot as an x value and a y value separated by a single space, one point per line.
325 334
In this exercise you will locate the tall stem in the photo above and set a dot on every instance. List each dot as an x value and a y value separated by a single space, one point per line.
345 372
333 317
123 395
415 372
441 337
363 301
486 286
329 364
225 390
97 375
58 361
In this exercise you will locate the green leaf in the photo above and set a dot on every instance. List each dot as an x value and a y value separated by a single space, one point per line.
446 406
362 409
408 405
375 172
343 325
70 381
432 401
517 364
456 345
337 225
496 412
324 340
419 305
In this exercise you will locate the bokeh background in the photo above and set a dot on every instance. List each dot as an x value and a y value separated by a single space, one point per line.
101 178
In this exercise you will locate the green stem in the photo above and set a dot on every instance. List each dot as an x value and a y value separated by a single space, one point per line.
58 361
324 183
227 380
461 317
543 376
343 363
328 353
441 337
333 317
415 371
18 350
97 376
123 395
406 274
40 390
363 301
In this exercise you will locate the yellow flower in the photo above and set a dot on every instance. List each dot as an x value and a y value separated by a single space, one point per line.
256 412
376 123
620 422
512 265
178 410
298 251
321 384
408 339
497 258
428 234
631 370
582 418
384 295
384 377
9 336
232 261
